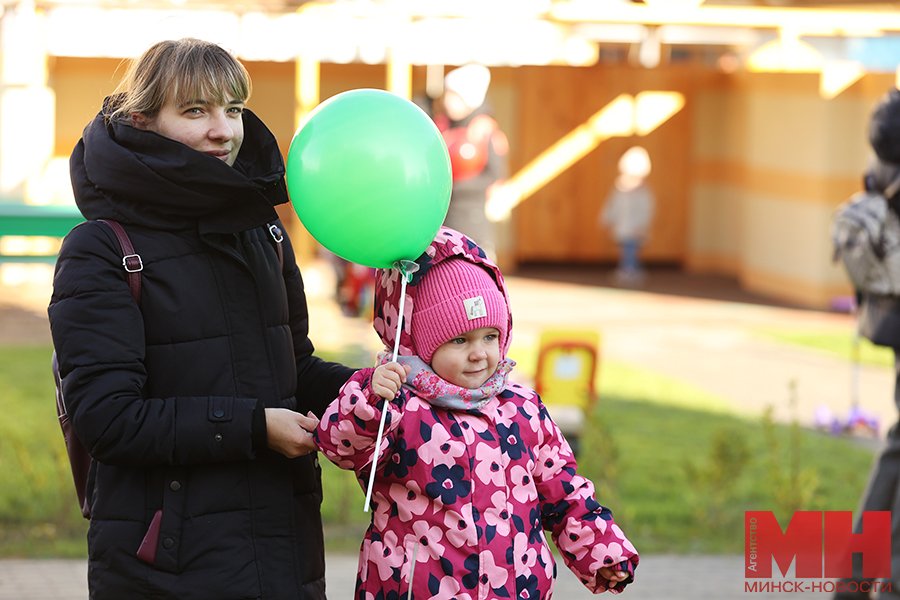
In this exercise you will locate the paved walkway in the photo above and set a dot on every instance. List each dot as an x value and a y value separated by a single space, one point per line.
659 578
714 345
717 346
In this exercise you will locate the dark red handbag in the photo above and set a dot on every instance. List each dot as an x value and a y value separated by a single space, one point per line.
79 458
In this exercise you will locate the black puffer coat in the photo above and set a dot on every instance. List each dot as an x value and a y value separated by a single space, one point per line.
168 397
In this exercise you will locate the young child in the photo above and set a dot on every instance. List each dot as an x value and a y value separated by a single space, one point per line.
471 470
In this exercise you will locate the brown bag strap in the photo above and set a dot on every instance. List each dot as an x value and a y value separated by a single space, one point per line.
131 261
79 458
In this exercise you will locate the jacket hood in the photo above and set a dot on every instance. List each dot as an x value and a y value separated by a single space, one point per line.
448 243
140 177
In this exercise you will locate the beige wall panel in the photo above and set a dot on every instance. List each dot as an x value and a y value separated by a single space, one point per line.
789 240
720 125
719 135
805 134
716 228
792 290
845 138
790 157
823 189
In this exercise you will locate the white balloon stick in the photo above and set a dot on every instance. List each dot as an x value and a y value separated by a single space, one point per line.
384 410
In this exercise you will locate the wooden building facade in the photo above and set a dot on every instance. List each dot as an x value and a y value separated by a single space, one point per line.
746 174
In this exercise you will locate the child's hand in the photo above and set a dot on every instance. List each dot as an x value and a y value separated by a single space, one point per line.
388 378
613 576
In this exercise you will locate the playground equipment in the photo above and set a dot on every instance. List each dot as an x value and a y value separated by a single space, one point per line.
565 378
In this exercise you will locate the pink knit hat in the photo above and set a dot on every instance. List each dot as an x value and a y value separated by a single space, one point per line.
453 297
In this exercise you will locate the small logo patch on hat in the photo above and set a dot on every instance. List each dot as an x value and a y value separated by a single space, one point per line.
475 307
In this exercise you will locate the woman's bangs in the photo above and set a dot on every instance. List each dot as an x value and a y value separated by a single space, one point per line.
217 83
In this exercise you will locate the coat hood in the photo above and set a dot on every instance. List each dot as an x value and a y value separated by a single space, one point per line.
447 244
139 177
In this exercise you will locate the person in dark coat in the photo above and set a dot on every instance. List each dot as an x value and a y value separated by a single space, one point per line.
197 404
879 321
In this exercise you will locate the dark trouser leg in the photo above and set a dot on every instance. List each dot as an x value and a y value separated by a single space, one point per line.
882 493
630 259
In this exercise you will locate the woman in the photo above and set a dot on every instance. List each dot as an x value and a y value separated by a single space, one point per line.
192 404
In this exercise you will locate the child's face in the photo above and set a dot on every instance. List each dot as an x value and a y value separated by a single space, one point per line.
469 359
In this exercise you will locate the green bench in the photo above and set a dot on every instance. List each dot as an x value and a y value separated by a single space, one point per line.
27 220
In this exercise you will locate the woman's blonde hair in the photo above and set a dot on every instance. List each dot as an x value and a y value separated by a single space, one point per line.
183 70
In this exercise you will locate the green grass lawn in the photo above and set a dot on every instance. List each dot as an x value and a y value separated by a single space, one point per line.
39 513
835 343
687 470
675 465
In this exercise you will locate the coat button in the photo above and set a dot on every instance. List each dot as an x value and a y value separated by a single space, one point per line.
218 437
168 543
219 413
175 486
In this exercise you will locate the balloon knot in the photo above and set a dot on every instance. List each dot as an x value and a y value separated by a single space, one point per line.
407 268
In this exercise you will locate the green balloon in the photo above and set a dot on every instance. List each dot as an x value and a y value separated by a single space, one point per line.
369 176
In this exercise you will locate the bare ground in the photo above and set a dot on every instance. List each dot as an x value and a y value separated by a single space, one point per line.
23 311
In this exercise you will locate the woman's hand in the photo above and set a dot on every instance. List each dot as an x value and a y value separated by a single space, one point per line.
289 432
388 378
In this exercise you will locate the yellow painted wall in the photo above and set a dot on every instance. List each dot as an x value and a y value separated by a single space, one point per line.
80 85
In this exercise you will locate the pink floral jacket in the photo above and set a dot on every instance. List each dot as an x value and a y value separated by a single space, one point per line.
468 493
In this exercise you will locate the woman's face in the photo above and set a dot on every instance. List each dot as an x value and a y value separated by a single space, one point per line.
214 129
